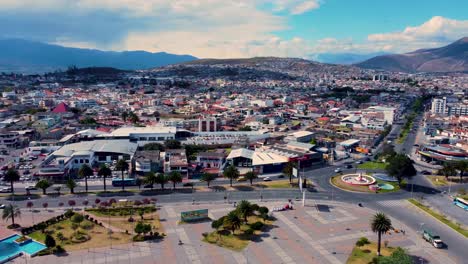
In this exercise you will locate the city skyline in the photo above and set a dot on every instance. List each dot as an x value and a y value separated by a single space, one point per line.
229 29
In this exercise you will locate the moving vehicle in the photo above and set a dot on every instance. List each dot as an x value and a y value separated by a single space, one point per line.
125 182
266 179
5 190
2 206
432 238
31 188
460 202
425 172
337 170
349 166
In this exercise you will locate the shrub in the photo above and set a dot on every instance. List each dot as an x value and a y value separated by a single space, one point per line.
131 220
77 218
137 203
59 250
74 226
138 238
362 241
69 213
112 201
86 225
97 201
60 236
249 232
385 243
49 241
257 226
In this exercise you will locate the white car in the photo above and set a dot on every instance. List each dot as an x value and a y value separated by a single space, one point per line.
266 179
5 190
2 206
337 170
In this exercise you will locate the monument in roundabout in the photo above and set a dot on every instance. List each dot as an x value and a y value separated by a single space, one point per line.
361 179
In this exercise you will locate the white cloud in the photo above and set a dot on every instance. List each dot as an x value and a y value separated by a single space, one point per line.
296 7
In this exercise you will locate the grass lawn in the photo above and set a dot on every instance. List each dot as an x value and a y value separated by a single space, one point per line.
98 235
280 184
365 254
440 217
237 241
372 165
123 223
437 180
120 211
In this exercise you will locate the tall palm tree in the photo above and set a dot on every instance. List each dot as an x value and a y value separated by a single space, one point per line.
231 173
104 172
245 209
232 221
175 177
10 212
84 172
208 177
150 178
161 179
380 223
71 184
251 176
11 176
122 166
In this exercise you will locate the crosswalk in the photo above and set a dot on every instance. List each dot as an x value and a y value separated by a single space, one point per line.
392 203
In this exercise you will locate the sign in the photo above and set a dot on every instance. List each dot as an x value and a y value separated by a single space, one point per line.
194 215
295 172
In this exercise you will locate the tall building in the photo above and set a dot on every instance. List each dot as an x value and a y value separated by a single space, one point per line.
439 106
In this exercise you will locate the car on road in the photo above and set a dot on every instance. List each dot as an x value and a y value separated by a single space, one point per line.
433 239
337 170
31 188
2 206
266 179
425 172
349 166
359 162
5 190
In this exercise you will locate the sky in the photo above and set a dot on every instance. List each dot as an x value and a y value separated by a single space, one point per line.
238 28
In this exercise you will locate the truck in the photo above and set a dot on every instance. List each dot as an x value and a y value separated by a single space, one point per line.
433 239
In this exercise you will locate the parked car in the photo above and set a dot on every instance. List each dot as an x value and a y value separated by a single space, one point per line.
425 172
266 179
5 190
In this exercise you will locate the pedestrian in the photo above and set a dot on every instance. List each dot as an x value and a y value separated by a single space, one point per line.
235 204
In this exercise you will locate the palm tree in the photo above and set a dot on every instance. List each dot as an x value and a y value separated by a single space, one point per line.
251 176
43 184
231 173
462 166
122 166
175 177
11 211
12 175
150 178
104 172
232 221
448 170
245 209
380 223
288 170
84 172
208 177
71 184
161 179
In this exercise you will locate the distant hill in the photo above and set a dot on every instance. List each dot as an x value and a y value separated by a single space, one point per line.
451 58
25 56
343 58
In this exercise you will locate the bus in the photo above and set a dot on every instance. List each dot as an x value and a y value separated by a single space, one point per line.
116 182
460 202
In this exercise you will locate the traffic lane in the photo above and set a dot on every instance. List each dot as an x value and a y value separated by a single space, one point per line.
444 204
456 243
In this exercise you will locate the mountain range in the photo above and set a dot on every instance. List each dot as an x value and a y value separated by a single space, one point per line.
450 58
24 56
343 58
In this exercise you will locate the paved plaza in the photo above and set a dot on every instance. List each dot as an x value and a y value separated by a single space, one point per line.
318 233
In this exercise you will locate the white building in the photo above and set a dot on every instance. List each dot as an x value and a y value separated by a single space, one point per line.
439 106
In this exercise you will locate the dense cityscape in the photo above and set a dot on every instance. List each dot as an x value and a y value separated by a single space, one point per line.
137 156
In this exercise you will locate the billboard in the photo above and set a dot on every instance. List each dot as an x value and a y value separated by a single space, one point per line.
194 215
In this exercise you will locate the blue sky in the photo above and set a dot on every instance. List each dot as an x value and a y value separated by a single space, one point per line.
238 28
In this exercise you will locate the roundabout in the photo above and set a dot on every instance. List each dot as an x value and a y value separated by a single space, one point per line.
364 183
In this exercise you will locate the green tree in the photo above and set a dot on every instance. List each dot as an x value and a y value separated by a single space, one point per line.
288 170
71 184
84 172
380 224
133 118
400 167
388 150
244 209
208 177
161 179
11 176
398 256
251 176
462 166
43 184
122 166
172 144
232 221
150 178
104 172
49 241
10 212
231 173
448 170
175 177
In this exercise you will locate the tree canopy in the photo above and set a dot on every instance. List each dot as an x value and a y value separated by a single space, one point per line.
400 167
